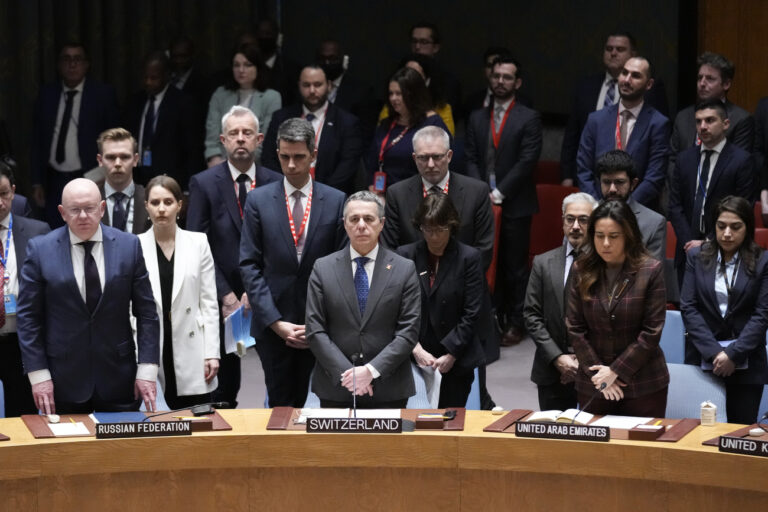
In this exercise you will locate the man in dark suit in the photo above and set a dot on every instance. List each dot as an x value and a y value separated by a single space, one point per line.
713 81
170 140
338 141
469 195
425 40
287 225
16 388
216 203
78 288
186 77
702 176
69 116
363 316
598 91
761 153
125 209
632 125
554 364
483 97
503 145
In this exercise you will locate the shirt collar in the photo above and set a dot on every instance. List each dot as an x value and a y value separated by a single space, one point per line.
74 239
504 105
718 148
635 110
441 184
568 247
159 96
608 77
251 172
371 255
731 263
128 190
6 221
290 189
336 83
79 87
321 110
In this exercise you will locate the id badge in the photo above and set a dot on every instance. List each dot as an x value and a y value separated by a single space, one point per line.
379 181
10 304
146 158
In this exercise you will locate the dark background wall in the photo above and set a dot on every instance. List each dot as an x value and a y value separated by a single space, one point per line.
557 41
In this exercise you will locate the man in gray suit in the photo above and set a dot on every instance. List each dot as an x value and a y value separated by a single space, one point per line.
363 316
617 175
555 365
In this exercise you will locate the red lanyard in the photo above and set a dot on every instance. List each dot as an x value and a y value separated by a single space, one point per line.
618 130
297 235
497 134
445 188
384 147
237 194
317 141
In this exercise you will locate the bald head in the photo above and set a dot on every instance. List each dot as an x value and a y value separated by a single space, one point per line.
82 207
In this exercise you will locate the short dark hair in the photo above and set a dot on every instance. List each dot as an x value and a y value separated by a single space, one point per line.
495 50
7 171
168 183
160 57
430 26
437 210
627 34
614 161
719 62
715 105
252 53
73 44
509 59
296 129
647 60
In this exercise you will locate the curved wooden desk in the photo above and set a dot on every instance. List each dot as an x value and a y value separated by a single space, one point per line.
250 468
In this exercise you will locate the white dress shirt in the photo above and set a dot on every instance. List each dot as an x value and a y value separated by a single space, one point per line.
632 119
71 150
721 287
369 272
158 100
12 288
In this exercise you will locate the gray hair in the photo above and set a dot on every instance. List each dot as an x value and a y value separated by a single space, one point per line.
579 197
238 111
432 132
296 129
367 196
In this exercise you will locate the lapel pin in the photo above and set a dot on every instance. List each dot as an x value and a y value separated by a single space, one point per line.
423 273
389 267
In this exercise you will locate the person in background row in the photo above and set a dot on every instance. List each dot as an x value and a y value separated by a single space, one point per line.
615 313
724 303
452 289
180 269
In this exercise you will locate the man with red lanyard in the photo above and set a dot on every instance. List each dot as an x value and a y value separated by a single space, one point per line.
503 145
216 200
287 225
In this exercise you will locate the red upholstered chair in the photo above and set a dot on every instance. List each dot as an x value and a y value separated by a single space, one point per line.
490 276
671 241
761 237
759 215
547 171
547 225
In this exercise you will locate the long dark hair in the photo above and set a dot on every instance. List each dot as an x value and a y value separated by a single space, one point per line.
437 210
415 95
749 251
436 87
591 265
252 54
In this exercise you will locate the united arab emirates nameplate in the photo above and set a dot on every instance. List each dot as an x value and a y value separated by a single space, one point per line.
565 431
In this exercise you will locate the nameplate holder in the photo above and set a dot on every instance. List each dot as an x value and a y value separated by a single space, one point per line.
564 431
743 446
143 429
355 425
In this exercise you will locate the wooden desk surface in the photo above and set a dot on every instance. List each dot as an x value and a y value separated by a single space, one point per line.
250 468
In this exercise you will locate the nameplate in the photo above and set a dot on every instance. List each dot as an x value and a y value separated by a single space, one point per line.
562 431
355 425
743 445
143 429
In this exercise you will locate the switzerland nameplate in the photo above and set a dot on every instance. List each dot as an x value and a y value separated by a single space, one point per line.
143 429
562 431
355 425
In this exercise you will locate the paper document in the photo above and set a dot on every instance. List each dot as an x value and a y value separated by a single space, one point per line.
69 429
321 413
376 413
432 379
625 422
237 332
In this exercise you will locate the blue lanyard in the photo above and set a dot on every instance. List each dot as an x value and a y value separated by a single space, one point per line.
4 257
702 185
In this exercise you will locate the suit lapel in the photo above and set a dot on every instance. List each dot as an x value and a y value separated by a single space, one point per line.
182 246
283 224
638 131
150 259
447 261
19 242
110 264
456 192
327 130
343 269
226 193
717 172
557 275
65 256
382 273
422 267
315 219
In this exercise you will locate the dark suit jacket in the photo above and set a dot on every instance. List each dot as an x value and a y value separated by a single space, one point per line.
470 196
177 142
23 230
385 333
339 151
213 210
141 221
357 98
450 309
624 335
653 227
87 353
733 175
746 319
276 282
98 112
20 206
544 313
519 150
583 102
648 146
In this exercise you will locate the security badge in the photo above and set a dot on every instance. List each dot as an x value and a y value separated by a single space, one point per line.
10 298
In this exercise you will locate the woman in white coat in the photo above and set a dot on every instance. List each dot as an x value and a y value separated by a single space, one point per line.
181 271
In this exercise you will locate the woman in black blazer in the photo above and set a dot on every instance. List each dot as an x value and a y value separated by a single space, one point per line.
452 287
724 304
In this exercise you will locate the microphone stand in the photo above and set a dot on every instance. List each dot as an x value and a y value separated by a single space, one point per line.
594 395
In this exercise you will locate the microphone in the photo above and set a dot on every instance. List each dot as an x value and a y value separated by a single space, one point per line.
594 395
355 358
760 421
197 410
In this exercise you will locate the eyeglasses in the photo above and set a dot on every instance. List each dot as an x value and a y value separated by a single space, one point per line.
72 59
616 183
582 219
89 210
421 42
424 159
434 230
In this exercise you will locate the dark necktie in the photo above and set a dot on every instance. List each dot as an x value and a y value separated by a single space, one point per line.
361 283
434 189
610 93
64 127
310 117
2 273
149 124
701 192
624 128
298 217
92 281
119 215
242 191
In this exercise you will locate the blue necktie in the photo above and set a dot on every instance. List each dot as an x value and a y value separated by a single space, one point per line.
610 93
119 216
361 283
